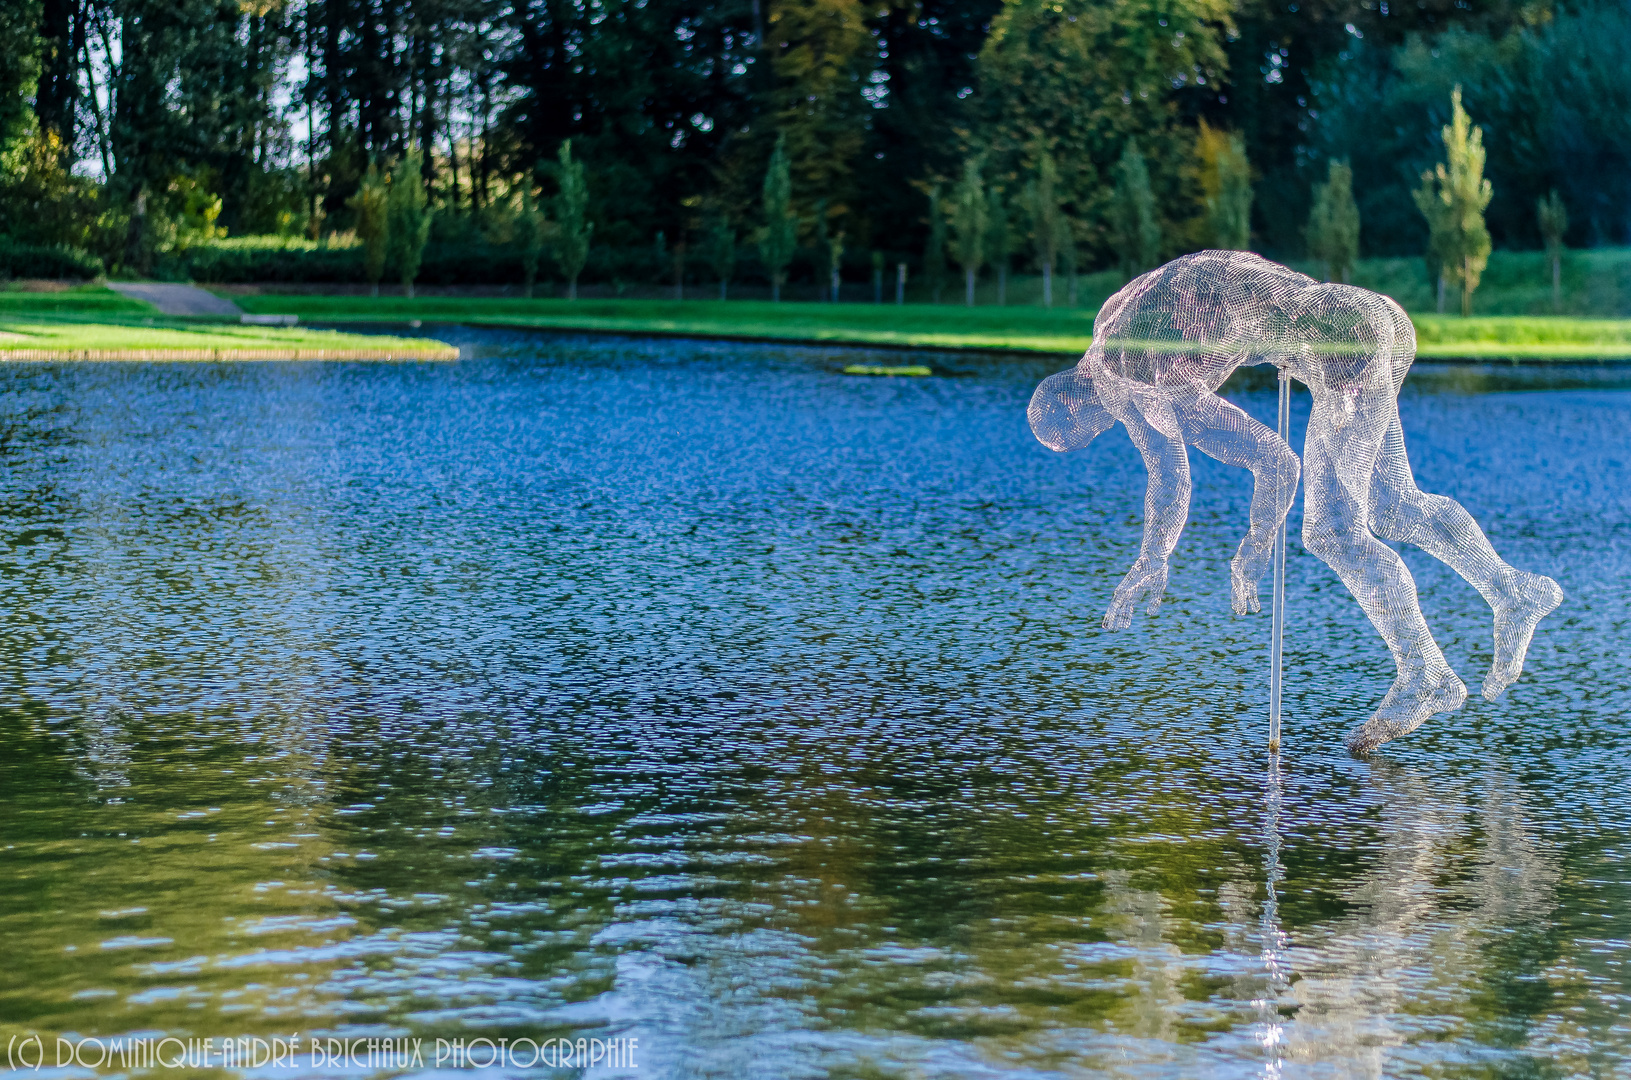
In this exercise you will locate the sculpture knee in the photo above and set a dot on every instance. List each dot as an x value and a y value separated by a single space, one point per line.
1401 515
1330 544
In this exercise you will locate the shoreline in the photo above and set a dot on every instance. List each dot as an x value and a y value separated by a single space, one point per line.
1433 354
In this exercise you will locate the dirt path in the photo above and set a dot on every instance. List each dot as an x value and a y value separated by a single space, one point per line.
177 299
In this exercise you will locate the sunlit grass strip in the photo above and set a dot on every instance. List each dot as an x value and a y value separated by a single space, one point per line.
165 355
79 339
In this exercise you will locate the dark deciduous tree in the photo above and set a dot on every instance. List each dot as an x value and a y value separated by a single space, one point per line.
1078 79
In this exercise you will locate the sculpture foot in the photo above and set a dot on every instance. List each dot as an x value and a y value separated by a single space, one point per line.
1533 597
1408 704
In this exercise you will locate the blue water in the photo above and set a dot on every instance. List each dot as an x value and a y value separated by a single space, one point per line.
699 694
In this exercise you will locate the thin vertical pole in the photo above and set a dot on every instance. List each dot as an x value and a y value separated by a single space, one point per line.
1276 965
1278 607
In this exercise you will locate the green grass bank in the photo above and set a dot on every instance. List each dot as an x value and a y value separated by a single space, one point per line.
94 323
1013 329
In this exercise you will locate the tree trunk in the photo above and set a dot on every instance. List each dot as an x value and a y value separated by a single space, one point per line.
1466 294
722 285
968 296
836 282
1441 292
136 234
1557 283
900 283
775 291
1002 286
1047 284
407 289
572 288
452 158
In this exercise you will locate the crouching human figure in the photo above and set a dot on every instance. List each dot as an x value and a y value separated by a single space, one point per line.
1162 347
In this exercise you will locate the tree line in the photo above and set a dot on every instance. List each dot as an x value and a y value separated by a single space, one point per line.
989 135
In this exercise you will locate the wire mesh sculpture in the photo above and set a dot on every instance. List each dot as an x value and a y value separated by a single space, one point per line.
1162 347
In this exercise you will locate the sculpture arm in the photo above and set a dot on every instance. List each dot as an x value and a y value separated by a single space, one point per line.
1166 509
1223 432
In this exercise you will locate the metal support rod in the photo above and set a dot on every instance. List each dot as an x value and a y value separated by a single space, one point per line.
1278 605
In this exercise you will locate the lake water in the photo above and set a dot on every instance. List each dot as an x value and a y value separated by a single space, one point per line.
701 695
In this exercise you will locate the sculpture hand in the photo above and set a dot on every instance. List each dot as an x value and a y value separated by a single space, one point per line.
1147 576
1246 570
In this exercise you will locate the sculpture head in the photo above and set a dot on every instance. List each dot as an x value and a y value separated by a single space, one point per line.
1065 413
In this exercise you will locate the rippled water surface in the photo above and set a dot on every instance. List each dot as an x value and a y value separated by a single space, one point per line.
700 694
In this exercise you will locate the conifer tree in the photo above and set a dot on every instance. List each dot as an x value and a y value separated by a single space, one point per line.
1333 223
1042 205
998 240
533 225
1553 219
1226 179
722 251
1453 198
409 217
823 246
968 221
1136 235
1069 256
934 250
835 261
371 205
780 233
572 225
1438 232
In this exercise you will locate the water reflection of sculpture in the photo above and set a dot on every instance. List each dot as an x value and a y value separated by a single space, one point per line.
1460 873
1163 346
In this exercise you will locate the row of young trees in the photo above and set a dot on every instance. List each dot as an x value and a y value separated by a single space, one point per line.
134 127
978 224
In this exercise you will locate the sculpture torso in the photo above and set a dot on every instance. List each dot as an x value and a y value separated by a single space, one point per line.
1192 322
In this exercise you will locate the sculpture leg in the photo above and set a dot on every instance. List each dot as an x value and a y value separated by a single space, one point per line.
1166 508
1442 527
1344 443
1223 432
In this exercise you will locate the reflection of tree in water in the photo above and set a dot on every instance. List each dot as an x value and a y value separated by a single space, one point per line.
1458 869
155 616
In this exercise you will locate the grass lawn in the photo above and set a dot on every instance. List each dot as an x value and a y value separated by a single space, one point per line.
1010 329
1019 329
97 324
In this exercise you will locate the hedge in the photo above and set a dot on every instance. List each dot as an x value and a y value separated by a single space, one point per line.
36 261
